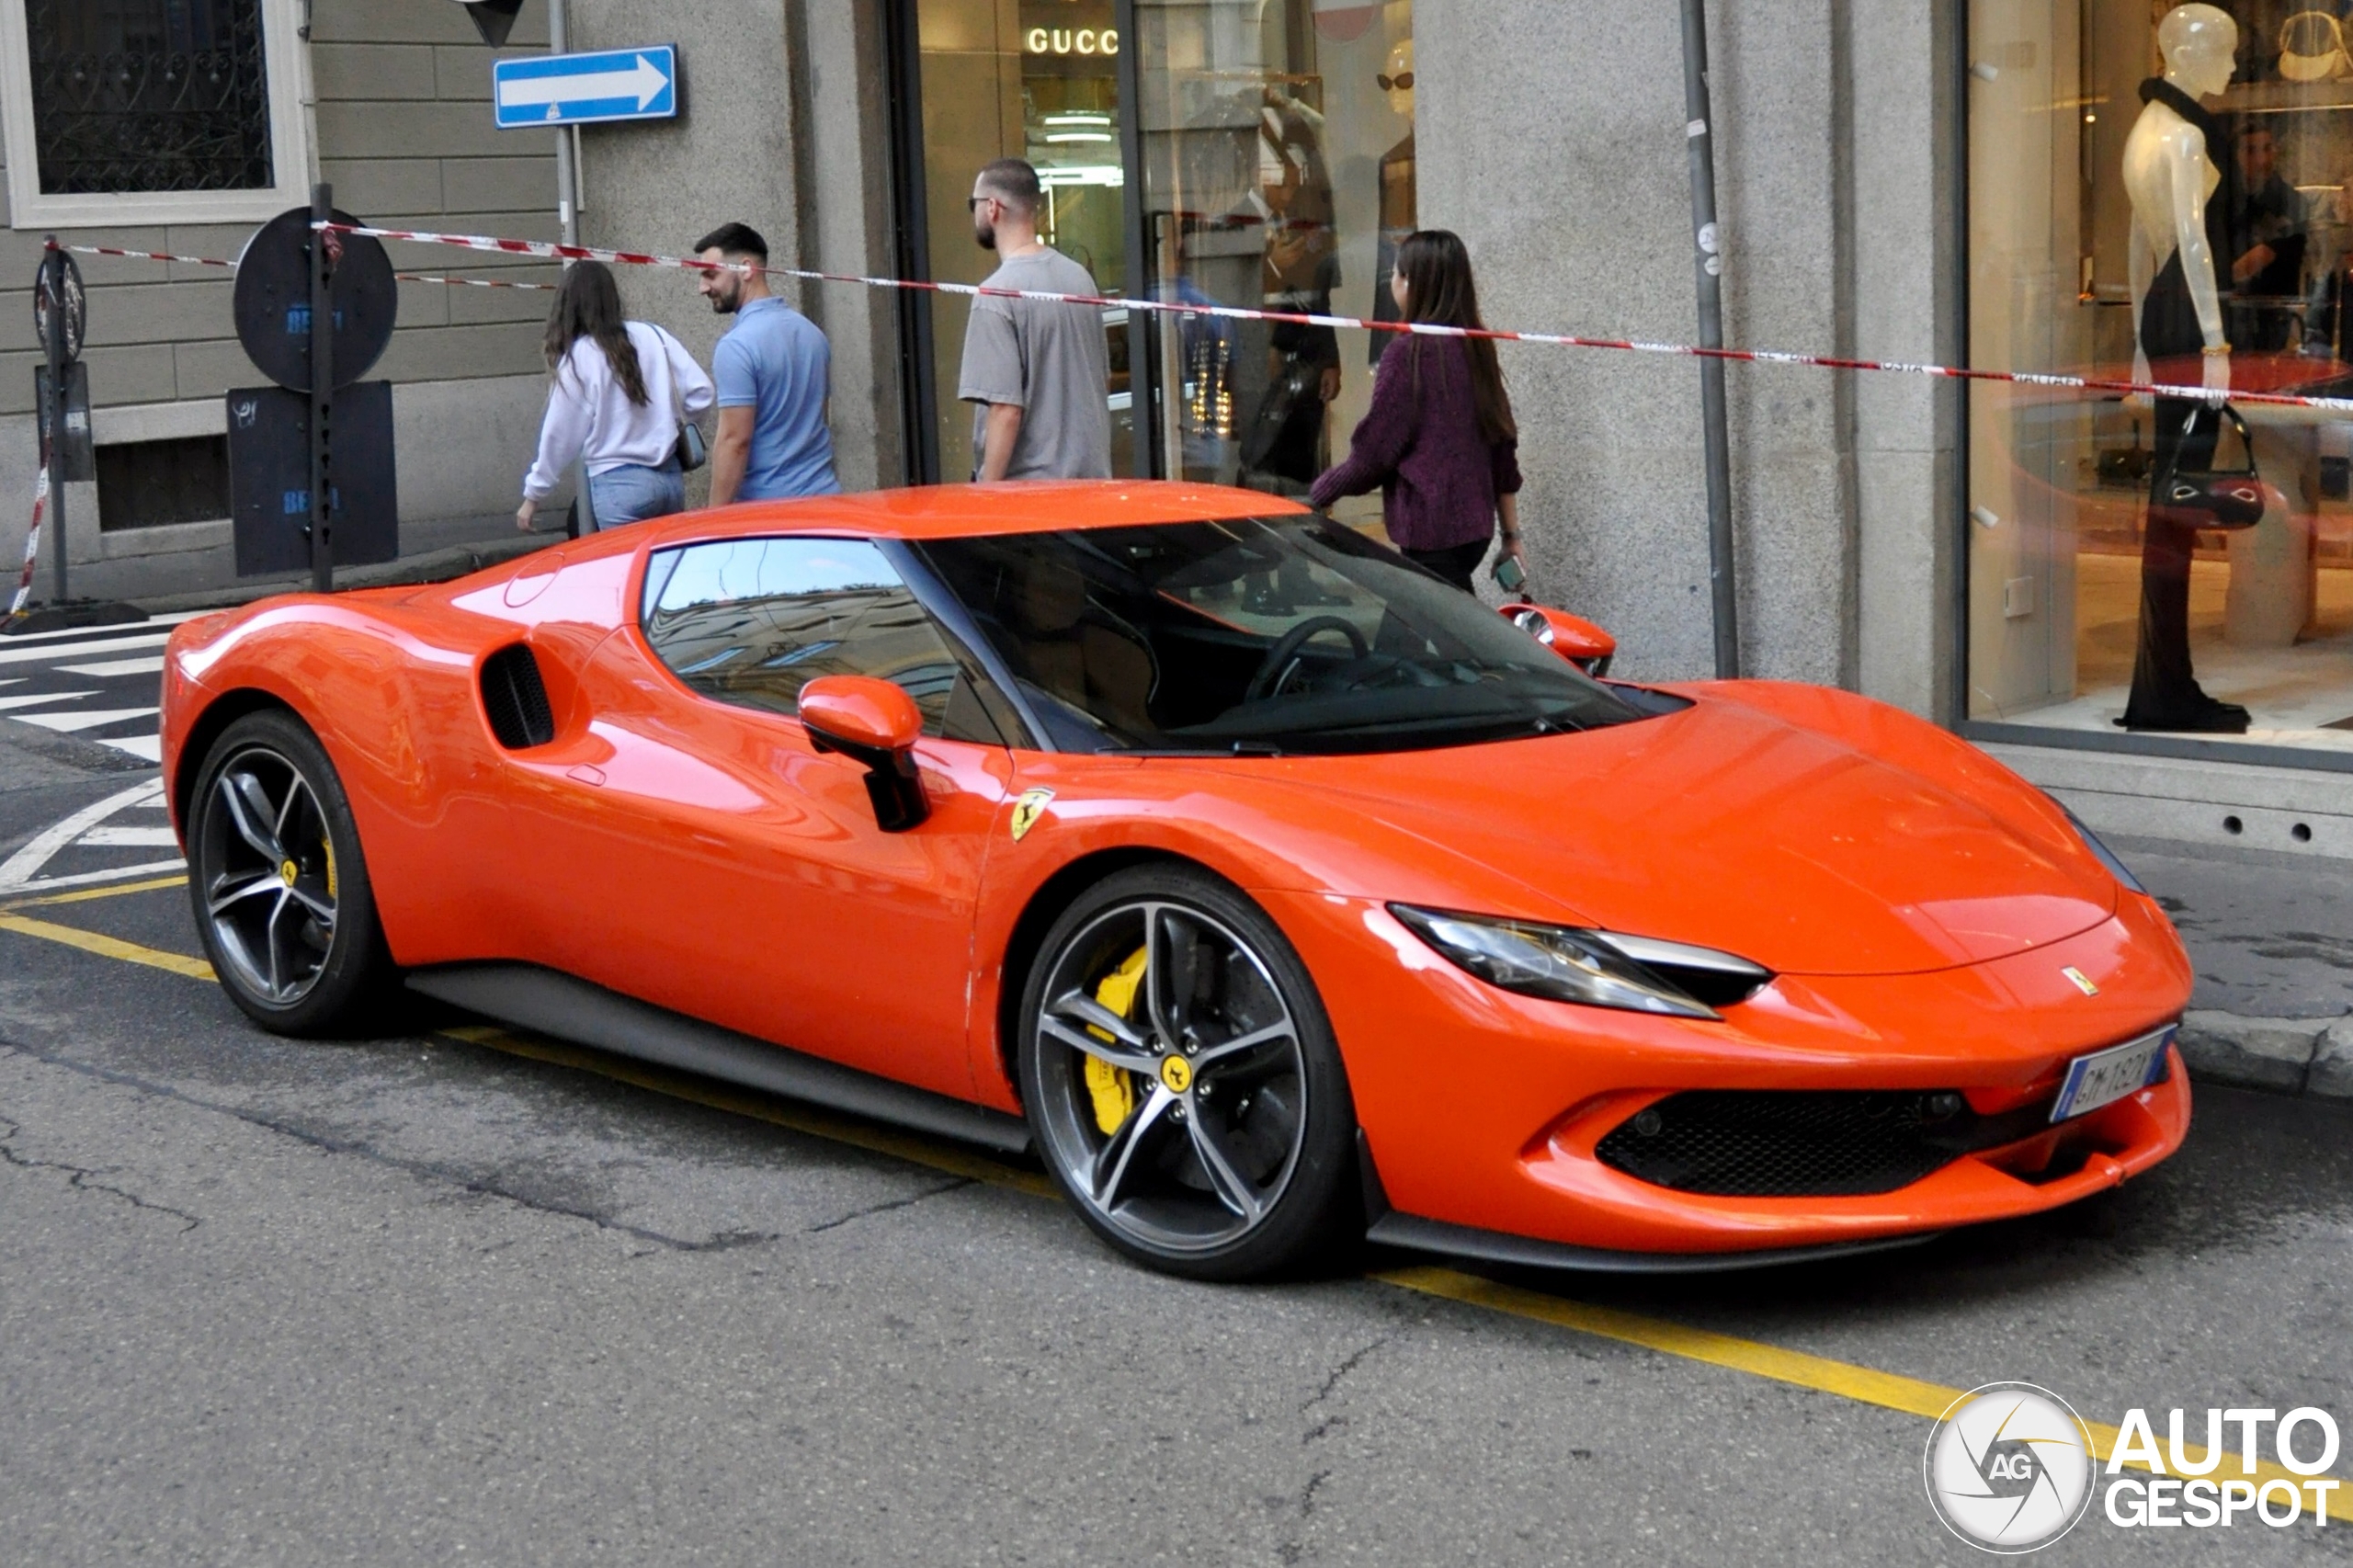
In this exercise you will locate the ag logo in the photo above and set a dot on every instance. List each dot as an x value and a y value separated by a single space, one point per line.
1027 810
2010 1468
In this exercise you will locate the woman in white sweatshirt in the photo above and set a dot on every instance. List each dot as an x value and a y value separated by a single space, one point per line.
618 390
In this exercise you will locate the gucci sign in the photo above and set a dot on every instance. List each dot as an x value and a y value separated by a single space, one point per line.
1072 41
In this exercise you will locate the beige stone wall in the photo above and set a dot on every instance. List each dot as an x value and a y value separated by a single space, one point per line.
403 131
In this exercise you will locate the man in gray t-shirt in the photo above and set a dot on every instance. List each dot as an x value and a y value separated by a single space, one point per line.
1039 371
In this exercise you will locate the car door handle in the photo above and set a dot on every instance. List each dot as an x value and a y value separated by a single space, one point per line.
585 774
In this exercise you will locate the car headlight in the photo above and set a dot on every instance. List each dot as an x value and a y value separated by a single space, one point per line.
2101 852
1595 968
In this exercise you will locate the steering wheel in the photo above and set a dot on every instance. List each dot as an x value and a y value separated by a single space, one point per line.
1283 657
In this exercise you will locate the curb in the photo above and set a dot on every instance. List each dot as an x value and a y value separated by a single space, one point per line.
410 571
2311 1057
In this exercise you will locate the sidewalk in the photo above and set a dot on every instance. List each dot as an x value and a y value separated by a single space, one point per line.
2271 938
436 565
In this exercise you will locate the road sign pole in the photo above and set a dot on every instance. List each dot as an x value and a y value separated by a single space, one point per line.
322 386
567 214
52 262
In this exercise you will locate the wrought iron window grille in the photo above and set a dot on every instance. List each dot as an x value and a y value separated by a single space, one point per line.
144 95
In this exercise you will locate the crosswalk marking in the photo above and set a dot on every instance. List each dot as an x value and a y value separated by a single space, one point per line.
148 748
154 620
119 667
40 698
10 655
86 719
131 838
22 868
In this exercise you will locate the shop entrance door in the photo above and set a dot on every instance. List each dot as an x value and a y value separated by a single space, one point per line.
981 80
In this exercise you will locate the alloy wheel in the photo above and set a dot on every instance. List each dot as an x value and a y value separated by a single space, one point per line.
1173 1078
266 860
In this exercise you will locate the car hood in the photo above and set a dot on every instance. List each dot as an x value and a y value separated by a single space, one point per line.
1813 832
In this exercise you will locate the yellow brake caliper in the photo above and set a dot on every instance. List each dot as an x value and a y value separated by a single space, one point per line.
1114 1088
328 844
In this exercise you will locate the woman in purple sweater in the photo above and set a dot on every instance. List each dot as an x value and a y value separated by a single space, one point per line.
1439 442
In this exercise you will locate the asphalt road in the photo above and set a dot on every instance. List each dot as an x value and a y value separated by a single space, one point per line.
463 1298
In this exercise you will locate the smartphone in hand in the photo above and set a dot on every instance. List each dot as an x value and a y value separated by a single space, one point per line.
1509 574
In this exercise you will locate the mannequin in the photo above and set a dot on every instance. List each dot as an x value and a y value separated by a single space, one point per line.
1398 203
2171 172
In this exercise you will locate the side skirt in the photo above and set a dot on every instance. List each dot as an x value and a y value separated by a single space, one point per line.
553 1003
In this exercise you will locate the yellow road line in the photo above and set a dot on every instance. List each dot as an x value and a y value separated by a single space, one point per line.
86 895
106 946
1862 1385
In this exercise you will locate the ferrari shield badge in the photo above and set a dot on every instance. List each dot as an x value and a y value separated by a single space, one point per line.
1027 810
2083 982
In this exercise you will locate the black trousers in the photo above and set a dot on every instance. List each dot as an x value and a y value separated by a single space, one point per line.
2164 691
1456 563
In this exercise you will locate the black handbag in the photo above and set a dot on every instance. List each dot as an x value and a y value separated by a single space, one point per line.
691 451
2209 497
1286 435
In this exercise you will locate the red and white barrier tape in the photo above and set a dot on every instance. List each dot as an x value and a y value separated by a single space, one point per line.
32 544
231 266
150 256
552 250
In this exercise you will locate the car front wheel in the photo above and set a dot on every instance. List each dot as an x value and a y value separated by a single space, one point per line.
1182 1080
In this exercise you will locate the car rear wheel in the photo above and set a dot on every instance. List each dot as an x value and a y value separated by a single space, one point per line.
1182 1080
281 889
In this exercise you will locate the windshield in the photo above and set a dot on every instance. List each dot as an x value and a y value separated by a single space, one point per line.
1283 634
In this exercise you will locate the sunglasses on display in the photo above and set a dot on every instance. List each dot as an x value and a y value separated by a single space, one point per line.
1402 82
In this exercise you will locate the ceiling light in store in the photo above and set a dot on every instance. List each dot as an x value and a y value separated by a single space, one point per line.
1344 21
1084 174
1078 119
1061 137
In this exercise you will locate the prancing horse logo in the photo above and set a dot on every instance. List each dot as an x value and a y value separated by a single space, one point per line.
1027 810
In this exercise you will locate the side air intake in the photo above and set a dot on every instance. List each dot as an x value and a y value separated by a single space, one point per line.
515 698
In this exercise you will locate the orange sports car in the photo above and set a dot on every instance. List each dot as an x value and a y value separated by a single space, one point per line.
1272 892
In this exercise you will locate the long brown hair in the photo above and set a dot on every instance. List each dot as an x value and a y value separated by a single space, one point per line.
1439 290
588 304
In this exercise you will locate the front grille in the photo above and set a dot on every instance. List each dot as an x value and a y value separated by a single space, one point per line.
1793 1144
515 698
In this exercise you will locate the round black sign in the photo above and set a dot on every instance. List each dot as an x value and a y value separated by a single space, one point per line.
272 303
60 273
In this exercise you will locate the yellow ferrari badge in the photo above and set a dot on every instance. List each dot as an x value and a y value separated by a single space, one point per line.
1176 1073
1027 810
2083 982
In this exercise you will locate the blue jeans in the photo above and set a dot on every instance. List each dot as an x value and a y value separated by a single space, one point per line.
630 494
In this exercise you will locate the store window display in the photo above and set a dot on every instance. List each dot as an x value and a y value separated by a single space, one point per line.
1278 171
2161 189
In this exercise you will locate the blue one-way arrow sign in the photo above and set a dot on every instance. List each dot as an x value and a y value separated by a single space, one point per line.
581 90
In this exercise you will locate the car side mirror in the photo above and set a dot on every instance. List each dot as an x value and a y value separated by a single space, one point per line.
1575 639
876 725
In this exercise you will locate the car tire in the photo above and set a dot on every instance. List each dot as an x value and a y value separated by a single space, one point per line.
1213 1136
278 883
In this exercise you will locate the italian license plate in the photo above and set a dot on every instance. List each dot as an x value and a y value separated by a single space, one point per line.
2106 1076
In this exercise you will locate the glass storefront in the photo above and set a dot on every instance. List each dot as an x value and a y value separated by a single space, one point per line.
1275 167
2097 199
1278 170
1035 79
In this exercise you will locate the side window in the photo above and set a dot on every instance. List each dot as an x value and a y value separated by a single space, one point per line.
751 621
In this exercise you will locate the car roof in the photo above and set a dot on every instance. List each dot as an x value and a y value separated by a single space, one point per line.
960 511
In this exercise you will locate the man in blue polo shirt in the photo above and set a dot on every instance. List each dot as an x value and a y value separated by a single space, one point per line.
774 370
